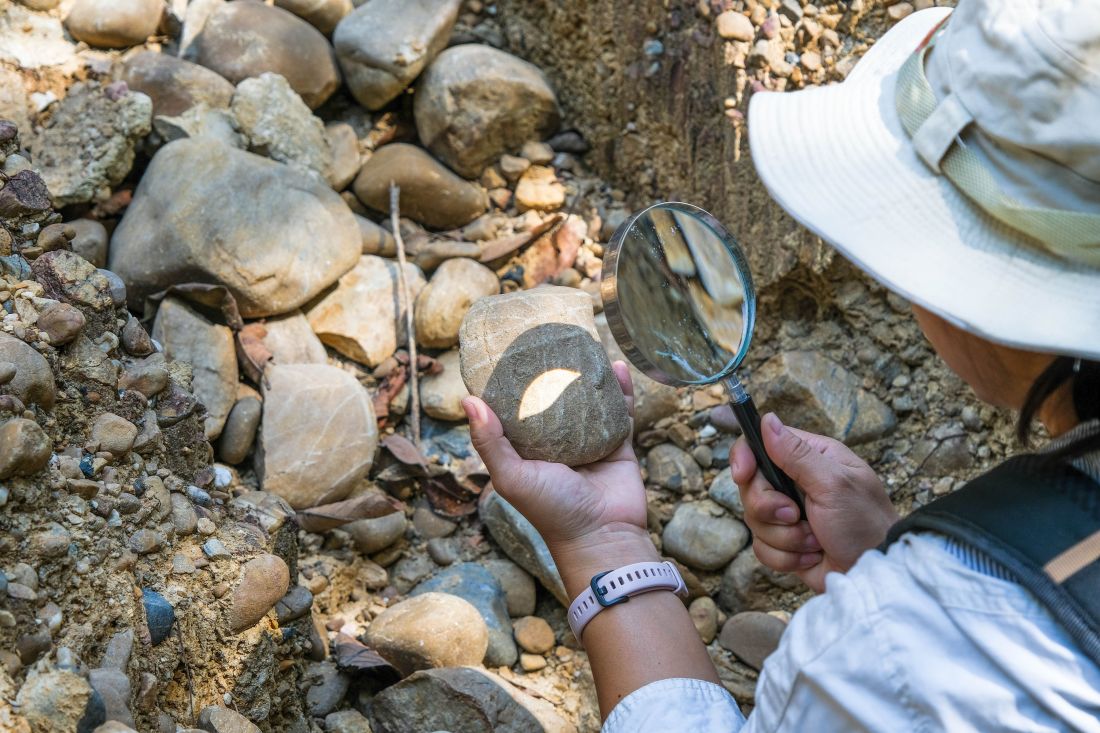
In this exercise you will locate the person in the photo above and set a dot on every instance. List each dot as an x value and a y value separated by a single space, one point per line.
959 165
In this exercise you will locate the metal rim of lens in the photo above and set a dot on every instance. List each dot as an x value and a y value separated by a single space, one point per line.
609 294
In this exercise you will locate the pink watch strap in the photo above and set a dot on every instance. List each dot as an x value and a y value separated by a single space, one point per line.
616 586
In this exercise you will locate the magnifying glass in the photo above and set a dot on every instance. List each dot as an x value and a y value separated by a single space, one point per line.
679 301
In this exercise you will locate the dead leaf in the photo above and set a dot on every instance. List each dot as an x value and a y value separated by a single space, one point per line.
252 354
451 497
404 450
365 506
358 659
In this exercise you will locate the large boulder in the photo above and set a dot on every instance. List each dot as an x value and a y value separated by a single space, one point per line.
318 434
363 317
535 358
114 23
205 212
430 194
385 44
187 336
442 305
175 85
475 103
246 38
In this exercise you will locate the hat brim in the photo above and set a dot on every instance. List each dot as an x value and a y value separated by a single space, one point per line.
838 160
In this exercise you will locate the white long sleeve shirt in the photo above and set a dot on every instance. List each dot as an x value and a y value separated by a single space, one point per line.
910 640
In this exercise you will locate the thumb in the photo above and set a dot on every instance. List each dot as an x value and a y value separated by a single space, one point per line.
795 455
487 436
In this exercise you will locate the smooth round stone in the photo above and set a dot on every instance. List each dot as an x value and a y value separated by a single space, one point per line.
33 382
25 448
518 585
533 634
441 394
159 615
672 468
372 535
90 241
702 536
61 322
321 14
114 23
430 630
752 636
443 303
263 581
240 430
724 491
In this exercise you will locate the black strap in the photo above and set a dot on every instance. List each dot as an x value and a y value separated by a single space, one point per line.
1023 514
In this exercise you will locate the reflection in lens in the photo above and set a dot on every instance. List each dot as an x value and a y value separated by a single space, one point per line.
682 295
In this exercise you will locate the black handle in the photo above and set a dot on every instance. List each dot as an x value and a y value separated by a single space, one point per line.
749 419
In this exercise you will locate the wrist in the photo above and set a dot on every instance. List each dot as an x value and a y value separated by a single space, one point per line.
606 548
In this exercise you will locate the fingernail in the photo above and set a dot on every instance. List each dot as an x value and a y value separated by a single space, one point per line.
812 545
786 514
470 409
809 560
773 423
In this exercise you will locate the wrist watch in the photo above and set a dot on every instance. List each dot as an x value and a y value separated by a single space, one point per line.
617 586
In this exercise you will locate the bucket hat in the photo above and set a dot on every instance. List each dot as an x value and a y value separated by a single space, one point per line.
959 165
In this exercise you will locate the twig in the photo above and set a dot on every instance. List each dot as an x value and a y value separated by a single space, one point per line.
414 387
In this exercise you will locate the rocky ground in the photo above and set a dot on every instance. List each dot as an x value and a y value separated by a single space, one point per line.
214 513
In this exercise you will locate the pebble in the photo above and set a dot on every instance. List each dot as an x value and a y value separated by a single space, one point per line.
539 189
33 382
344 153
327 692
119 648
360 317
295 604
113 687
59 701
372 535
441 394
242 40
205 527
532 662
24 448
443 303
534 635
61 322
385 44
240 430
442 551
518 586
429 630
701 536
218 719
346 721
475 103
113 434
312 412
263 581
734 26
671 468
535 358
724 492
898 11
430 525
476 585
430 193
512 167
752 636
746 581
135 340
31 647
159 615
183 516
813 393
113 23
704 614
145 541
185 225
214 549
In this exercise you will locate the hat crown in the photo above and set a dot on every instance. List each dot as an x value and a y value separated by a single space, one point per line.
1028 71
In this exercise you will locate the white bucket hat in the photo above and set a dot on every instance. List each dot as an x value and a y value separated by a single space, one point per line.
983 203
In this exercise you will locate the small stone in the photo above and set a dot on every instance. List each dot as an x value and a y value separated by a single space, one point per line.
113 687
810 60
346 721
671 468
521 542
33 382
245 39
701 536
385 44
240 430
538 153
135 340
61 322
898 11
25 448
429 630
792 9
214 549
430 525
113 23
747 583
205 527
518 586
441 394
159 615
327 692
442 551
475 103
535 358
704 614
534 635
343 146
145 541
263 581
295 604
183 517
58 701
430 194
443 303
752 636
31 647
734 26
148 376
113 434
218 719
532 662
372 535
724 492
540 189
512 167
291 341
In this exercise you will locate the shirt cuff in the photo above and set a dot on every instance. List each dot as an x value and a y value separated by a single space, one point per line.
676 704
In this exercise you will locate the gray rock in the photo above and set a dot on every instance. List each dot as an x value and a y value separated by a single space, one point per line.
372 535
385 44
534 357
59 701
702 536
113 687
33 383
90 240
240 430
442 551
725 492
323 15
518 586
430 193
346 721
159 615
87 147
441 394
521 541
429 630
148 376
113 23
291 341
187 336
472 582
811 392
328 688
673 469
117 655
653 401
455 286
747 584
317 436
475 103
145 541
295 604
217 719
215 549
752 636
430 525
462 700
363 317
184 517
343 146
175 85
246 38
204 212
25 448
264 580
279 125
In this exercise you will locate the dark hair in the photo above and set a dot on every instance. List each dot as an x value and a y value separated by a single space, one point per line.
1085 377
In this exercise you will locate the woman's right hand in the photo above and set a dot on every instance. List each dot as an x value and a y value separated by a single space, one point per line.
847 507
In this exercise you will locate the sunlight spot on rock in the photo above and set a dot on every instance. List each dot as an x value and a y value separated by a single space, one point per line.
545 390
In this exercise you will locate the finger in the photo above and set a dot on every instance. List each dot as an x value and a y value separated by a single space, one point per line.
742 462
785 562
626 384
487 436
798 538
796 455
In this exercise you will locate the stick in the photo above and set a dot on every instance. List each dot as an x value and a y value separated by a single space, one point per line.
414 388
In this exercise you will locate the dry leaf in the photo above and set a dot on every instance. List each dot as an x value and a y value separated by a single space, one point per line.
358 659
252 354
365 506
451 497
404 450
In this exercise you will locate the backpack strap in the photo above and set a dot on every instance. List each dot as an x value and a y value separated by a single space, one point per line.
1040 520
